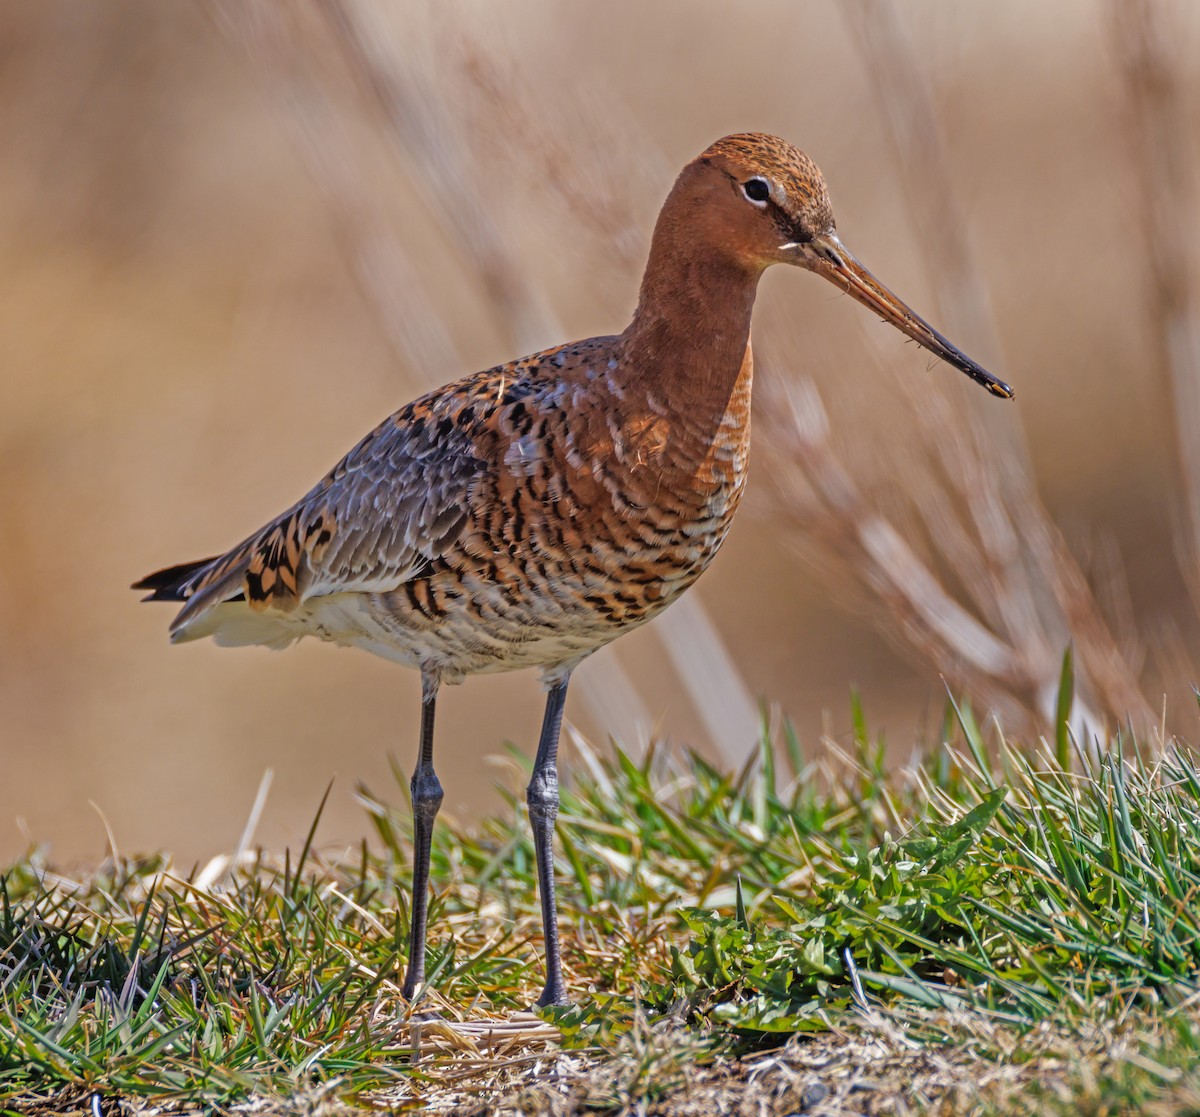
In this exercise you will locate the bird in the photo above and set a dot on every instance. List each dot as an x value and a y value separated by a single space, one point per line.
527 515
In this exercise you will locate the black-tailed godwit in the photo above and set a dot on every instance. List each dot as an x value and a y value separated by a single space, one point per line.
527 515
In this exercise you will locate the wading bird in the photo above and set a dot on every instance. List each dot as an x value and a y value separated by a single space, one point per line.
526 515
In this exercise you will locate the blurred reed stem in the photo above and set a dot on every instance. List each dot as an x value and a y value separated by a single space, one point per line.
1008 556
1161 141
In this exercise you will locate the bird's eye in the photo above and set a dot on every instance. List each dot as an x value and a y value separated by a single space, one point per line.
758 190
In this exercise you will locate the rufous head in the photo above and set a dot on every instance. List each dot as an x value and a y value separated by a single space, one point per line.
757 200
763 197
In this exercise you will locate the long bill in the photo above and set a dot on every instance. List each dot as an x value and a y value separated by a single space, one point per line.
827 256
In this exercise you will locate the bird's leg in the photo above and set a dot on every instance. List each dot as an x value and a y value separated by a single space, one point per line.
542 796
426 799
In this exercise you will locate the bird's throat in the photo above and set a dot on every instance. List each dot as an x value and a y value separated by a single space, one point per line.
689 342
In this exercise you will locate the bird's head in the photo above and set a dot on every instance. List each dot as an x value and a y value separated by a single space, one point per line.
757 200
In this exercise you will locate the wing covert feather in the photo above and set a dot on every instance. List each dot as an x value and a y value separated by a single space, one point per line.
397 500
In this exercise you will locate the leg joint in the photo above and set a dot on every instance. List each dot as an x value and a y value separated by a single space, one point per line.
542 795
427 792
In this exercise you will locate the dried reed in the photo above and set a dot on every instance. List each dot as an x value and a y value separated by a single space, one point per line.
997 595
1163 152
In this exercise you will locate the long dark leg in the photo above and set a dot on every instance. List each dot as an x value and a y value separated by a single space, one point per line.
426 799
542 796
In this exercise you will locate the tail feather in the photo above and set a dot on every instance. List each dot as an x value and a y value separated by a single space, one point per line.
172 583
185 583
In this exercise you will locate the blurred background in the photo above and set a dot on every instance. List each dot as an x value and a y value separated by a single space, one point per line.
235 236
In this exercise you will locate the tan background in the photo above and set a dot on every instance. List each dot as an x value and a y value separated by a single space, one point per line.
185 350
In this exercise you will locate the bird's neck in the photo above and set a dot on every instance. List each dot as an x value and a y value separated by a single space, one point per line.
689 342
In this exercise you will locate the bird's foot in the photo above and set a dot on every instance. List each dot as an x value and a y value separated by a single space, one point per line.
553 996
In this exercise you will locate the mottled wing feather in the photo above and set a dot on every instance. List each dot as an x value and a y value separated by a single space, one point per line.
398 500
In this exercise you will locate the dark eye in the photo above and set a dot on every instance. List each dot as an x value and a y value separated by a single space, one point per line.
758 190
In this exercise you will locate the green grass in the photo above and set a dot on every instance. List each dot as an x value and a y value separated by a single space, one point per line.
989 930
